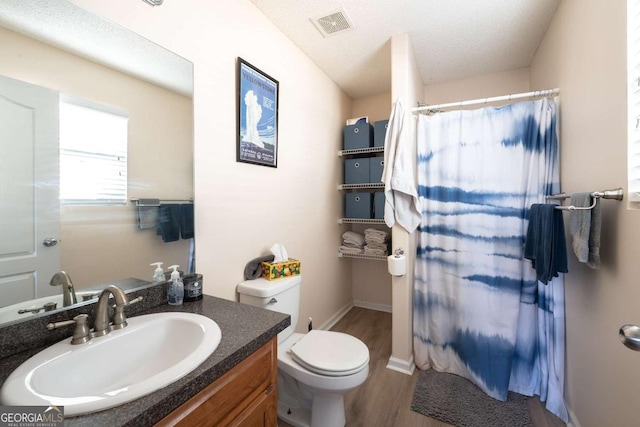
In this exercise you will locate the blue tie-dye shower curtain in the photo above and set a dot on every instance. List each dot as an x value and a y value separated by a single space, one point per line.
478 310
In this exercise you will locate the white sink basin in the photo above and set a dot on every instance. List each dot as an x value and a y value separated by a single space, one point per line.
152 352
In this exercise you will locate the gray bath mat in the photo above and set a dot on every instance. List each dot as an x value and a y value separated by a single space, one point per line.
456 400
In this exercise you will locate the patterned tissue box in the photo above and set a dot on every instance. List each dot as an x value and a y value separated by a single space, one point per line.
279 270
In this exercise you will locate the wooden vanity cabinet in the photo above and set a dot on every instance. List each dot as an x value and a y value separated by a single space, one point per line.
244 396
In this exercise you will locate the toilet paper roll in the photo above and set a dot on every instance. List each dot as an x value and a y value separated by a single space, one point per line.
397 265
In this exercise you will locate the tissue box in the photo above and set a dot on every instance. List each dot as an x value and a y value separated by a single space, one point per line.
278 270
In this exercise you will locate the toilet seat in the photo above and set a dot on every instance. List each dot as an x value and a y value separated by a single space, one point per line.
330 353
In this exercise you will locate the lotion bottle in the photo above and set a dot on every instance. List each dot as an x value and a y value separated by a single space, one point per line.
158 274
176 287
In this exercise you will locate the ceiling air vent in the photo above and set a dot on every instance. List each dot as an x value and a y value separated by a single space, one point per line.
333 23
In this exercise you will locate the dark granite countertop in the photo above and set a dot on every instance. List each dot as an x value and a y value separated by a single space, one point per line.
244 330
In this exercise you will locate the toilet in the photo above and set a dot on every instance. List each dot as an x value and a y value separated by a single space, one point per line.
315 369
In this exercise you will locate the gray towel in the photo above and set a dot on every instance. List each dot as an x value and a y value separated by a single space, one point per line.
594 236
584 226
147 217
253 270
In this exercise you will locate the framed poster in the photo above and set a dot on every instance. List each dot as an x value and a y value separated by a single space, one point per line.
257 129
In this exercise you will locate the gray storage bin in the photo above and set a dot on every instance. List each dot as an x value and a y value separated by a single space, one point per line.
379 132
358 205
356 136
378 205
356 171
376 166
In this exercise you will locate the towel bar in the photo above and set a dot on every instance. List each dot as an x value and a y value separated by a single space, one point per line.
616 194
158 202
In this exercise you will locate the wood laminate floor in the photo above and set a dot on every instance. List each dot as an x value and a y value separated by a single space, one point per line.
385 398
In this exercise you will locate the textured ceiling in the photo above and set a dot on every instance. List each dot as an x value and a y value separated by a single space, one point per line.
452 39
64 25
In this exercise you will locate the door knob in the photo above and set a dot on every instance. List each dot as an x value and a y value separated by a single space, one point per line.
50 241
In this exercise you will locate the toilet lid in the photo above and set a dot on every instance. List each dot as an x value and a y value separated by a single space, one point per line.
330 353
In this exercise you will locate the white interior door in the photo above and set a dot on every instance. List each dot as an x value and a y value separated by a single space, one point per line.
29 195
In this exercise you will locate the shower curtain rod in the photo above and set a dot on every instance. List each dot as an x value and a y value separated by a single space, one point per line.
538 93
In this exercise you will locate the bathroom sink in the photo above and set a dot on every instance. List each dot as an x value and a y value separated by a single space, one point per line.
152 352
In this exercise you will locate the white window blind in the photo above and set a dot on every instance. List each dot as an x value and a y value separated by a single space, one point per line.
633 100
93 153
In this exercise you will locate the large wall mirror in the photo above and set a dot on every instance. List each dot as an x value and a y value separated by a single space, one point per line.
52 51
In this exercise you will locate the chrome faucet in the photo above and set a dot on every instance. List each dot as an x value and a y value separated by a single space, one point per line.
81 333
101 325
68 293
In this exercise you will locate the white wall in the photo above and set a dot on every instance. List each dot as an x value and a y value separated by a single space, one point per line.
584 54
483 86
242 209
407 87
160 152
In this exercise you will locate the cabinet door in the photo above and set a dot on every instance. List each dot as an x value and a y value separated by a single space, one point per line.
263 412
232 396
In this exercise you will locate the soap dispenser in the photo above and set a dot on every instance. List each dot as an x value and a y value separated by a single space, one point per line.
176 287
158 274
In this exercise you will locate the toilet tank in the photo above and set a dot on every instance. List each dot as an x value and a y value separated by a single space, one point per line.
281 295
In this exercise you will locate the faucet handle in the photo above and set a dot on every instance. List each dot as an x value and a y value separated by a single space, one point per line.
119 319
130 302
50 306
81 332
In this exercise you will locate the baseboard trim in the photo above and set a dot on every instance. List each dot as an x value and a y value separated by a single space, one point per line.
573 420
335 318
372 305
400 365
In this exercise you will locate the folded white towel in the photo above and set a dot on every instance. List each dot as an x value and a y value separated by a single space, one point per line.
372 232
351 245
374 245
353 237
375 240
373 251
375 236
350 250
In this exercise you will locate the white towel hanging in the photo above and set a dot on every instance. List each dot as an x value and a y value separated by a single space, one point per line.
401 196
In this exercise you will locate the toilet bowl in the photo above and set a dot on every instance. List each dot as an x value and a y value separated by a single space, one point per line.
308 398
315 369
